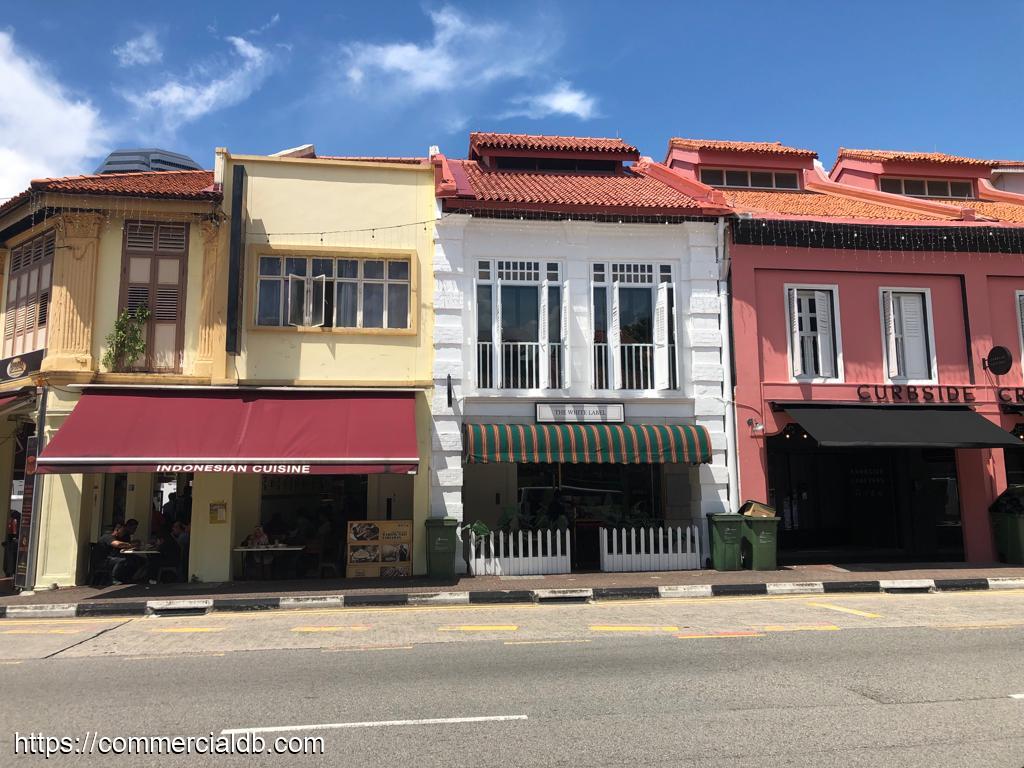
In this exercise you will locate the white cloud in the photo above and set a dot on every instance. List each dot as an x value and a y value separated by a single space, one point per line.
462 53
44 130
264 27
141 50
563 99
181 101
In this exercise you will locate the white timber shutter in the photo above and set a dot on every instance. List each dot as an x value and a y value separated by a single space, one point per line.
915 336
661 356
826 334
566 335
794 333
614 339
889 326
543 334
316 301
296 300
498 369
1020 314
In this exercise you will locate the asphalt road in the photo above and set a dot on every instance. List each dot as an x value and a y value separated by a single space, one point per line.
918 680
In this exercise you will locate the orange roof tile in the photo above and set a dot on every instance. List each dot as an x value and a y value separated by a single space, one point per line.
554 188
990 209
171 185
818 204
522 141
882 155
757 147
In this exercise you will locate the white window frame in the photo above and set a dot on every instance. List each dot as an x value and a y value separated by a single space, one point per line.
542 284
901 179
1019 310
929 329
837 333
748 171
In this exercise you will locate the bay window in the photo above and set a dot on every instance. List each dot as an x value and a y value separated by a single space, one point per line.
332 292
521 315
634 342
907 344
28 295
812 328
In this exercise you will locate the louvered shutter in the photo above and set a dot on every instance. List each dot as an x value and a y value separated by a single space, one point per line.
889 327
615 339
543 333
662 379
915 336
566 335
498 369
795 346
826 334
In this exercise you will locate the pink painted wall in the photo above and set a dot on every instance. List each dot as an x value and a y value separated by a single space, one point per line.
979 288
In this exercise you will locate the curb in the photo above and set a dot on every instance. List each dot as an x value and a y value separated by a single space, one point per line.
178 607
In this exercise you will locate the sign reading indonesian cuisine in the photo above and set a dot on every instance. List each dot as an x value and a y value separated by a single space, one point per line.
580 413
379 548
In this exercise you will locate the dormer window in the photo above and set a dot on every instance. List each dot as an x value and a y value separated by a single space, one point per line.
747 179
926 187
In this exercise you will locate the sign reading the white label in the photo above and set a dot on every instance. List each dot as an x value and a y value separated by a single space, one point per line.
580 413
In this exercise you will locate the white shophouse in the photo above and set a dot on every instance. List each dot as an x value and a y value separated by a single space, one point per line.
581 363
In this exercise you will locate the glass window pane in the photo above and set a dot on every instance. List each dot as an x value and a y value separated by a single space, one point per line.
636 316
270 265
348 294
348 268
484 270
554 315
938 188
960 189
323 267
712 177
736 179
373 270
786 181
293 266
520 313
373 305
484 318
398 306
600 316
913 187
398 270
761 179
296 302
891 185
553 271
268 310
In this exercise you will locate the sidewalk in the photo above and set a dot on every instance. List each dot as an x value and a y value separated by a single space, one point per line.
253 595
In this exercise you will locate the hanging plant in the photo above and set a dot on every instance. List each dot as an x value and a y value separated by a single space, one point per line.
127 342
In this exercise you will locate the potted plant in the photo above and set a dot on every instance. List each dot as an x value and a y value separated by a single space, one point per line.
127 342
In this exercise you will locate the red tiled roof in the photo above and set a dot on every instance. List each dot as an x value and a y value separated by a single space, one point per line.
990 209
522 141
626 190
1008 163
170 185
882 155
757 147
818 204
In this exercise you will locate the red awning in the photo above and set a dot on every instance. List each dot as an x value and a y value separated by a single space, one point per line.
236 431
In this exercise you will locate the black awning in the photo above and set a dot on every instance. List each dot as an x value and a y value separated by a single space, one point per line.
924 427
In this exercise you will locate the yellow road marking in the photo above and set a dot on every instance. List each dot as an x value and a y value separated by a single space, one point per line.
630 628
9 663
69 620
165 656
544 642
851 611
720 634
188 629
479 628
353 628
41 631
801 628
369 648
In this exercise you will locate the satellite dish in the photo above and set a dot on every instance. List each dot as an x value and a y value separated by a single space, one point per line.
999 360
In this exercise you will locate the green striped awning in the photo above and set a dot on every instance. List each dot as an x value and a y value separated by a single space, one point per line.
587 444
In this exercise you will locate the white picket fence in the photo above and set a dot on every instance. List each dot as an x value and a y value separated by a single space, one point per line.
523 553
675 548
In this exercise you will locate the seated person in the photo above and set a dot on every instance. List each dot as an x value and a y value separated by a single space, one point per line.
258 538
121 566
131 525
170 552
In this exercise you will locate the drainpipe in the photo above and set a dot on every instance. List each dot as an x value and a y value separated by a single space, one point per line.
730 407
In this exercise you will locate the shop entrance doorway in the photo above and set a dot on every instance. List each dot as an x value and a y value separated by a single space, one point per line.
863 504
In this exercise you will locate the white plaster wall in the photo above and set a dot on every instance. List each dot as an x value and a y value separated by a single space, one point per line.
690 247
1011 182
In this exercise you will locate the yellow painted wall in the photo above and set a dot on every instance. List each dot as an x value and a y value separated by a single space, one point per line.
288 196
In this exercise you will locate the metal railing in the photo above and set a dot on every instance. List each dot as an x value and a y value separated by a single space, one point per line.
673 375
484 365
637 366
601 365
556 367
520 365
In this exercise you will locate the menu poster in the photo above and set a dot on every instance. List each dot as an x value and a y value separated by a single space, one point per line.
379 548
22 579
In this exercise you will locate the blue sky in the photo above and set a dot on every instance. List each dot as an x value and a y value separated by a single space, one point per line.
389 77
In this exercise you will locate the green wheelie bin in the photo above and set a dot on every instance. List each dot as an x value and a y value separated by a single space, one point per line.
760 542
726 534
1007 513
441 541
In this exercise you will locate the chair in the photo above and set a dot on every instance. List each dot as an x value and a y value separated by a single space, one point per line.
171 569
327 559
100 569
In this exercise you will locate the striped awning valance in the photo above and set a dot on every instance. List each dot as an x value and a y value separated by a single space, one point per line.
587 444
